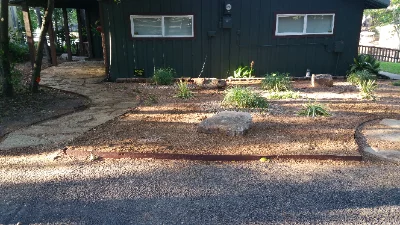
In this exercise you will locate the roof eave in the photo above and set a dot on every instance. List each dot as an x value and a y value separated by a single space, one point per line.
376 4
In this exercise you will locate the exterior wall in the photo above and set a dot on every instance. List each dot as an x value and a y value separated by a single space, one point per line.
251 38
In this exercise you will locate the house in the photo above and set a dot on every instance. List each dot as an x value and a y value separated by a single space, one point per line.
211 38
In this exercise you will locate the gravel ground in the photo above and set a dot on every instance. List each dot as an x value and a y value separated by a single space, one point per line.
38 190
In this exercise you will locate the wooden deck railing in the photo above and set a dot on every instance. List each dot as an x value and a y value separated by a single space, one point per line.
381 54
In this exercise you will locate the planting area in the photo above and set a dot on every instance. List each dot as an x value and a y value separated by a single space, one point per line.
164 123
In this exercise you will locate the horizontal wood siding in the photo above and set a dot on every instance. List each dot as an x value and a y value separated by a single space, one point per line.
251 38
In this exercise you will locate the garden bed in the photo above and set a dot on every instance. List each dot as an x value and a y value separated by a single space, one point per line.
166 124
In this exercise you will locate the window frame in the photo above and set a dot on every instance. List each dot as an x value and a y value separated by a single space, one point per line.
305 15
162 26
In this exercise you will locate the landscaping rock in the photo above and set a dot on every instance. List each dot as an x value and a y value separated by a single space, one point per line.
228 122
324 80
209 83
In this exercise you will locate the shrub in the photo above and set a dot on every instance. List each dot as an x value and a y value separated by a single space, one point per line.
396 83
242 97
244 71
276 82
164 76
284 95
16 80
18 52
184 91
367 88
365 62
313 109
359 76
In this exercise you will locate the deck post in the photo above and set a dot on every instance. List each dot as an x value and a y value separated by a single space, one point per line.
88 34
52 44
28 31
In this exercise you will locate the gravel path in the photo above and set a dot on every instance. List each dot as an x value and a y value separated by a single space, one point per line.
38 190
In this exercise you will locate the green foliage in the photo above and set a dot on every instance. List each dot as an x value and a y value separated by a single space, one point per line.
18 52
16 79
396 83
284 95
277 82
390 67
367 88
365 62
242 97
164 76
313 109
184 91
243 72
359 76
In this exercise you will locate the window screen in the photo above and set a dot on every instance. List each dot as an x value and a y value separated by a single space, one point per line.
303 24
178 26
147 26
319 24
290 24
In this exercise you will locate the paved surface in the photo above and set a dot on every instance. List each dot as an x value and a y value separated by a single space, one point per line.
182 192
78 77
389 133
391 76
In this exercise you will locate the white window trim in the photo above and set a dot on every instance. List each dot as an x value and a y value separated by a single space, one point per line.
305 24
162 27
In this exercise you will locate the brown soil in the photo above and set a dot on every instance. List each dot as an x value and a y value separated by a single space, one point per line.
26 108
166 124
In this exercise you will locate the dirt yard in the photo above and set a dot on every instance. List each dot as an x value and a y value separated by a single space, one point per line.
166 124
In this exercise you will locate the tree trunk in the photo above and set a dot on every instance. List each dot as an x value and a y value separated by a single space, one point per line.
39 54
5 70
103 42
66 30
79 19
52 40
88 34
46 46
28 31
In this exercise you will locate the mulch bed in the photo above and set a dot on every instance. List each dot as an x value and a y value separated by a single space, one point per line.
166 124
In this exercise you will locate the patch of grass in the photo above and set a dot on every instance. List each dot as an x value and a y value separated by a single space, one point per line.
396 83
276 82
367 89
164 76
390 67
359 76
284 95
242 97
314 109
184 91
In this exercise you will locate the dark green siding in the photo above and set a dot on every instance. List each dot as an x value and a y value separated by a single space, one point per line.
251 38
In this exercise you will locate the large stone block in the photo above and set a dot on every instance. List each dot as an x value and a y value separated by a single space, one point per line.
228 122
322 80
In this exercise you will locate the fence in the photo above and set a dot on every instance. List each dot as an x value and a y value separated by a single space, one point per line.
381 54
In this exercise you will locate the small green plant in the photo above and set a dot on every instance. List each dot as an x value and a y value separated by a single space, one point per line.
150 100
396 83
244 71
367 88
18 52
242 97
313 109
365 62
284 95
277 82
164 76
184 91
359 76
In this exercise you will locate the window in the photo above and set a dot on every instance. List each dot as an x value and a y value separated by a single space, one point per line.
304 24
162 26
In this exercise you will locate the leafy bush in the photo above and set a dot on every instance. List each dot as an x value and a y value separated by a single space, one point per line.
18 52
242 97
164 76
396 83
367 88
184 91
359 76
313 109
243 72
284 95
16 80
277 82
365 62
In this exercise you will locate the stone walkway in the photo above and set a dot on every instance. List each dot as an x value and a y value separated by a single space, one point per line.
391 76
78 77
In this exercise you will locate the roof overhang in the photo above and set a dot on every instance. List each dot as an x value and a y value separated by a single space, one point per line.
376 4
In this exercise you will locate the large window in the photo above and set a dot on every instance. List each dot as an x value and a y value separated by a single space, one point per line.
304 24
162 26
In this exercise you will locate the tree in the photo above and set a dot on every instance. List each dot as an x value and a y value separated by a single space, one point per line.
39 54
5 69
388 16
